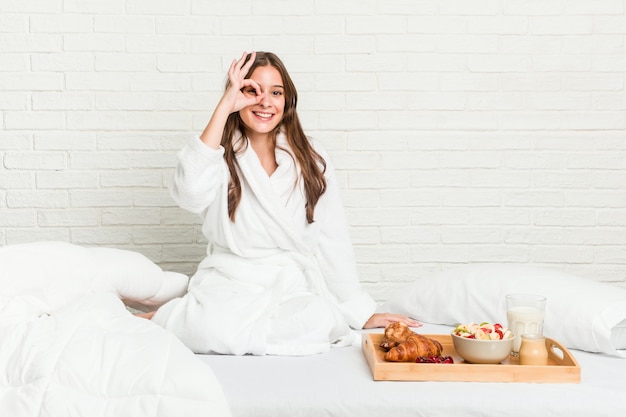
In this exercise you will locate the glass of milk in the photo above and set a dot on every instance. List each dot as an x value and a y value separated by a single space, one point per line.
525 313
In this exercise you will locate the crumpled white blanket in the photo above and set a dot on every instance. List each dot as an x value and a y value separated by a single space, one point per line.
70 347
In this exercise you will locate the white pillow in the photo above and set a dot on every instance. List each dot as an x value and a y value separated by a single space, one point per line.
580 313
45 276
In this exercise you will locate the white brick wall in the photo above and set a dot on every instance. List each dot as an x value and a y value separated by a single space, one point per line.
482 131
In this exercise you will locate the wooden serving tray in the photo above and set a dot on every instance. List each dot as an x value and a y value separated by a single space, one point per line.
562 367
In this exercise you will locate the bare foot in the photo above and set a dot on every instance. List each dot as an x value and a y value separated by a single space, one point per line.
147 315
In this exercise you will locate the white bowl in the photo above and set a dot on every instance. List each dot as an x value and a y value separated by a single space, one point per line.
482 351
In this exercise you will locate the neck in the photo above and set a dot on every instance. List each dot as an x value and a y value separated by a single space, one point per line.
265 151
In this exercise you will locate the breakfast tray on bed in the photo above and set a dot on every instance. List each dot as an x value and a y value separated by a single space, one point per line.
562 367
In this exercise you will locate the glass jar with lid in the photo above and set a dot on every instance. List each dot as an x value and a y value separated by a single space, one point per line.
533 350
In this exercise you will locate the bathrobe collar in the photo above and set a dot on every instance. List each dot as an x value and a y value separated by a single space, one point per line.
261 185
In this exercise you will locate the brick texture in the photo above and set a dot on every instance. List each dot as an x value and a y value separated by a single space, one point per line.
490 131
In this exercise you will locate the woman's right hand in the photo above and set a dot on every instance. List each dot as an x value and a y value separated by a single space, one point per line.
241 92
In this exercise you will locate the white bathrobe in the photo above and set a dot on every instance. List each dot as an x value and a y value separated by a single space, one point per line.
271 283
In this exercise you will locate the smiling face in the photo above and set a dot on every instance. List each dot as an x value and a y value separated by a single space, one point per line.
260 119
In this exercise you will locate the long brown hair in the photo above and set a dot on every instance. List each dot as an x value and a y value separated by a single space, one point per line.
312 165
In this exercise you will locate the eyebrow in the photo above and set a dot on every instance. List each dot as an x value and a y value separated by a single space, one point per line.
273 86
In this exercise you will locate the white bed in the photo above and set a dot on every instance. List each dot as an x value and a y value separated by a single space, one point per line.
583 315
70 347
339 383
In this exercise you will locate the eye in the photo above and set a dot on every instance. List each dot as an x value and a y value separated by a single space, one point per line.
251 91
277 93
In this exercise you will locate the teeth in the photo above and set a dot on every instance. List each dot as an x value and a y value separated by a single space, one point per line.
264 115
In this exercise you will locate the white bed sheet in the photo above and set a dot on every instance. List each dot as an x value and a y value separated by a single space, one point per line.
339 383
69 346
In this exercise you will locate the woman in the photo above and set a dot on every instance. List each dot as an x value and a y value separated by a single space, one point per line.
280 275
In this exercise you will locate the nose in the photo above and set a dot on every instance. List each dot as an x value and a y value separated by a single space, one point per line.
265 101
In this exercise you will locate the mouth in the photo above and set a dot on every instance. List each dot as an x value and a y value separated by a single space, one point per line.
263 115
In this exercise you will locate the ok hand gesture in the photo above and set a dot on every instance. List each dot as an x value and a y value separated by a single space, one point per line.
241 92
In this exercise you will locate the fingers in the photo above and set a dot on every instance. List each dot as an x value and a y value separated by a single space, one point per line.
392 318
385 319
239 68
408 321
246 67
242 91
414 323
249 83
237 65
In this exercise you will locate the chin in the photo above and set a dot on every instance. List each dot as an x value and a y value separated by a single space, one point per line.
256 129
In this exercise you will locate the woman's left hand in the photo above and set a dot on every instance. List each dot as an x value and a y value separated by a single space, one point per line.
384 319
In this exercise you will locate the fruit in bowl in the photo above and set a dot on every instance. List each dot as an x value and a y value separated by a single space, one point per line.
482 343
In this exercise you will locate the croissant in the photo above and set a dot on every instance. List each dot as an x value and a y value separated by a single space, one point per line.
395 333
412 348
